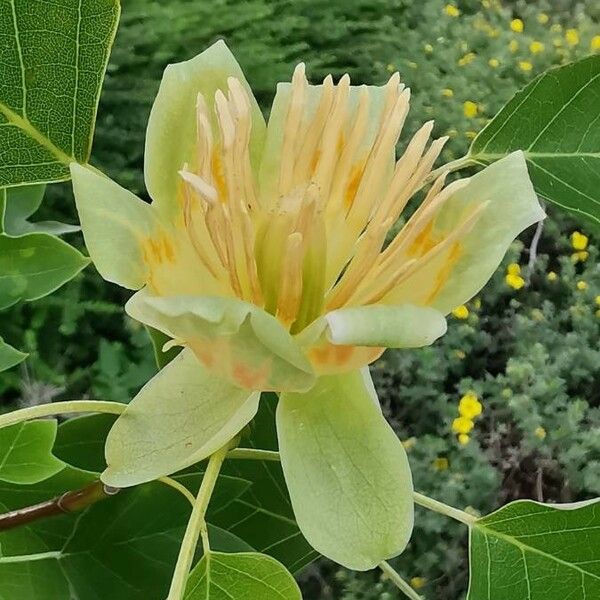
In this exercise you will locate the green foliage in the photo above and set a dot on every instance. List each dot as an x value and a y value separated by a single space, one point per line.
53 62
247 576
561 142
536 551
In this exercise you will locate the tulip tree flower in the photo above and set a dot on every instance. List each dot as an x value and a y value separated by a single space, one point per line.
266 254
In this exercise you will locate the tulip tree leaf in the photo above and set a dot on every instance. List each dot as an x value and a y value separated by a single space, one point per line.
123 548
9 356
25 452
262 516
34 265
537 552
243 576
54 55
19 203
555 120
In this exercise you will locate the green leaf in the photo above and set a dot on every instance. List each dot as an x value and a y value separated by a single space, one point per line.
555 120
262 516
80 441
180 417
346 471
537 552
9 356
123 548
34 265
26 452
20 204
53 61
244 576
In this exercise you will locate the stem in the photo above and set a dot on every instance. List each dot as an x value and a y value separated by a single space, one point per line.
69 502
398 581
58 408
196 526
253 454
179 487
444 509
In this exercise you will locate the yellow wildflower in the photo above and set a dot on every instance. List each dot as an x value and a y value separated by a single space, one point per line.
477 303
515 281
418 583
513 269
552 276
466 59
543 18
441 463
470 135
464 439
451 10
582 285
469 406
556 28
462 425
595 43
572 37
513 46
391 68
409 443
579 241
525 65
580 256
428 48
597 300
470 109
447 92
461 312
536 47
540 433
494 63
460 354
412 64
517 25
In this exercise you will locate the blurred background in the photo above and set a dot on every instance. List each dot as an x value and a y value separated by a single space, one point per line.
525 351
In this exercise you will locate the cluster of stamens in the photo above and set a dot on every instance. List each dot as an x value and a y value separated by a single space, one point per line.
313 237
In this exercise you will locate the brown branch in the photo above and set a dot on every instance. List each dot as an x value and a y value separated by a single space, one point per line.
70 502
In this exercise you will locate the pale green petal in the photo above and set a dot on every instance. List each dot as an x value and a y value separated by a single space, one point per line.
456 276
115 225
346 471
349 338
234 339
171 135
179 418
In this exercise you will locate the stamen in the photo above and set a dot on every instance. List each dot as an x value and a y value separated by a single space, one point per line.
291 128
204 138
205 191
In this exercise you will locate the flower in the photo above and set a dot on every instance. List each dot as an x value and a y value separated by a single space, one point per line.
494 63
536 47
466 59
513 46
513 276
525 65
595 43
447 92
428 48
540 433
470 109
451 10
517 25
463 439
582 285
597 300
580 256
579 241
462 425
418 583
552 276
469 406
264 255
461 312
543 18
572 37
441 464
